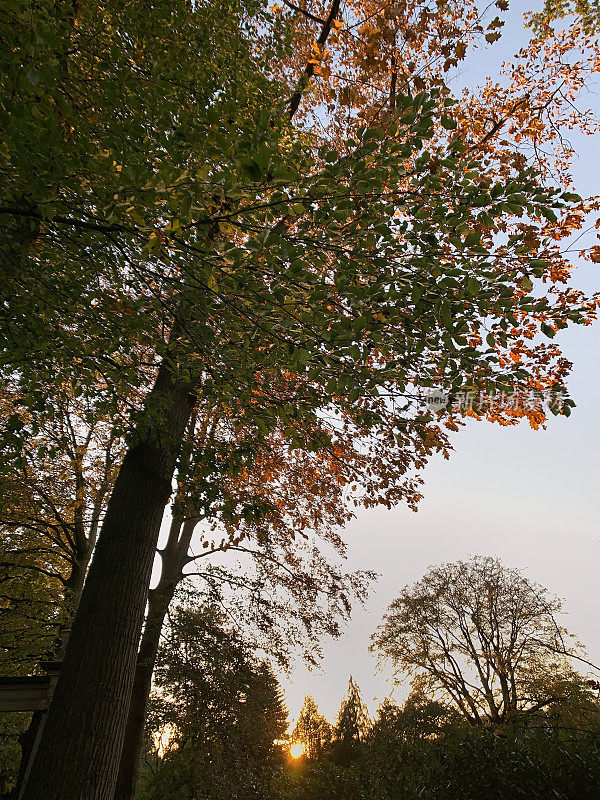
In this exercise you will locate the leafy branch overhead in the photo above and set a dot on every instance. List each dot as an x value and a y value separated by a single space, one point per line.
240 243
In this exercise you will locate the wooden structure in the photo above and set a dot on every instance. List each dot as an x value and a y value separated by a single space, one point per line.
29 693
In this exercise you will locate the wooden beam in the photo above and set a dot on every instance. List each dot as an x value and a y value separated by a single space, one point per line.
30 693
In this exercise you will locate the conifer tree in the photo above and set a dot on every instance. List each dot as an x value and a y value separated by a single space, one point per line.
217 711
312 730
352 724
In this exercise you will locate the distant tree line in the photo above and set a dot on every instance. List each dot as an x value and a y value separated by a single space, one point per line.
426 749
218 728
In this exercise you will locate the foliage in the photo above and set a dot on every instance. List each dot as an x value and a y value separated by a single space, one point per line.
12 725
351 726
269 251
216 712
315 279
312 729
31 612
482 635
427 750
51 510
460 761
219 712
585 11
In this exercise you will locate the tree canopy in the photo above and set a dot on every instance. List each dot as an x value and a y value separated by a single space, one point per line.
216 715
483 636
278 226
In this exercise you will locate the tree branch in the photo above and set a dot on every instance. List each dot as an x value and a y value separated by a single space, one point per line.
310 68
306 13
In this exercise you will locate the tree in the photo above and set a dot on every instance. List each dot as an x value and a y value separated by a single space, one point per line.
483 636
264 495
312 730
51 511
419 718
32 617
291 593
444 756
232 280
427 748
220 712
585 12
397 753
54 499
351 726
30 623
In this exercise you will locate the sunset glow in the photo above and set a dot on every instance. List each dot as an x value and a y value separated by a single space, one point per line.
297 750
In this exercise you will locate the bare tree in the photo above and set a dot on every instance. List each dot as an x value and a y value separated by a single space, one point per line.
483 636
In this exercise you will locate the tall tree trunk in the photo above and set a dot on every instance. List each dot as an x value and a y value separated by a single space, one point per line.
132 746
73 589
174 558
79 752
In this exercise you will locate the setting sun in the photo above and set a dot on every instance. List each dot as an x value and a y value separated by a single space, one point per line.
297 750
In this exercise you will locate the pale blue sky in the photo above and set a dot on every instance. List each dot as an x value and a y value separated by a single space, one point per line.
529 497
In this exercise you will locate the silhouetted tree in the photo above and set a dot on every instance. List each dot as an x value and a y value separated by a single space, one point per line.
312 730
216 715
483 636
352 724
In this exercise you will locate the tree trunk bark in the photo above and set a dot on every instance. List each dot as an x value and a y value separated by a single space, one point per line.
174 557
75 581
79 753
129 766
73 589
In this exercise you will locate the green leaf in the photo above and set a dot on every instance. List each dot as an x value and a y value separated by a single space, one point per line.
473 286
448 123
526 283
547 330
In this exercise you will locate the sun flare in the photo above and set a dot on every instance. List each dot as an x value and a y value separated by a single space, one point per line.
297 750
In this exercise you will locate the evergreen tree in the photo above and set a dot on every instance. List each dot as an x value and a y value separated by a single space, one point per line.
312 730
352 724
215 716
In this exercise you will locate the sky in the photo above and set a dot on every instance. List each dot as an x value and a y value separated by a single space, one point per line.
530 498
